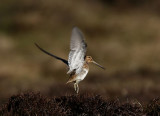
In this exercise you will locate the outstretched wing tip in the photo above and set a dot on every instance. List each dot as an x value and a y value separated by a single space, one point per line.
63 60
74 27
37 45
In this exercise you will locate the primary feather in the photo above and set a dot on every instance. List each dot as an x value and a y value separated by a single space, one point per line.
63 60
77 51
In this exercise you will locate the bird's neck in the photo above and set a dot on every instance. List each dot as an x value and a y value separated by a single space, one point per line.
86 61
86 65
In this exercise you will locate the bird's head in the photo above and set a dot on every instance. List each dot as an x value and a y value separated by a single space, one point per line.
89 59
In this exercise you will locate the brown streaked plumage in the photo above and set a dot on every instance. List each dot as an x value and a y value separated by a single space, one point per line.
77 62
73 75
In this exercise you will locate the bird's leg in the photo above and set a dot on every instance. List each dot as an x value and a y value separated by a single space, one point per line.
75 86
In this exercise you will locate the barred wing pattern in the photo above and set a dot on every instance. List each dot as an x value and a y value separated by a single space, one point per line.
77 51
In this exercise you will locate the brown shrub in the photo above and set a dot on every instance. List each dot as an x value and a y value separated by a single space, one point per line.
153 108
32 104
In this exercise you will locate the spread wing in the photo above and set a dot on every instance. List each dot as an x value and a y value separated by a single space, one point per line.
77 51
63 60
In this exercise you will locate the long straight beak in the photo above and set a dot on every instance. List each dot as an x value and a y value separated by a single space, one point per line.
99 65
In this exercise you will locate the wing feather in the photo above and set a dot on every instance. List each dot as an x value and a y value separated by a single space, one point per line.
77 51
63 60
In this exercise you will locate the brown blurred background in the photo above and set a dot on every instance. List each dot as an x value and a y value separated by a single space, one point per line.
122 35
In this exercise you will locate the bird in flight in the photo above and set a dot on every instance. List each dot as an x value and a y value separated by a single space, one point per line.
77 59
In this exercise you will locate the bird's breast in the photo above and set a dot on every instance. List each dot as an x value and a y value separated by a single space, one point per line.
82 74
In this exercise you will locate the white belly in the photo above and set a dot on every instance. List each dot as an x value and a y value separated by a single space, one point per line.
82 74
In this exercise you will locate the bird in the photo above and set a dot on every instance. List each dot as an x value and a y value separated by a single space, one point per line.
78 62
